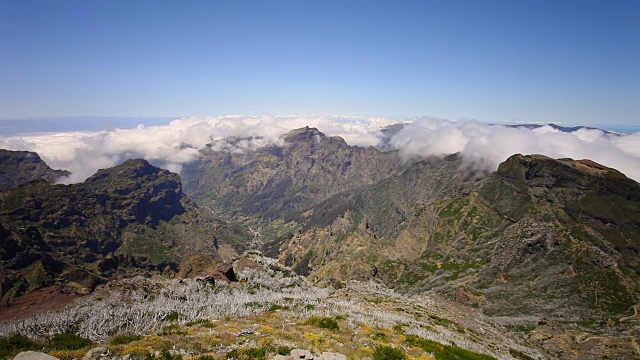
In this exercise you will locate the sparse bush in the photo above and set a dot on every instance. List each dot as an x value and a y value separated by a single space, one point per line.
205 357
124 339
323 322
172 316
16 343
247 354
68 354
445 352
166 355
519 355
275 307
283 350
68 342
172 329
388 353
202 322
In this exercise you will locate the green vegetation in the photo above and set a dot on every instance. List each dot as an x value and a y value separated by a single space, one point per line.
68 342
283 350
172 316
323 322
302 266
445 352
14 344
202 322
276 307
166 355
388 353
248 354
519 355
124 339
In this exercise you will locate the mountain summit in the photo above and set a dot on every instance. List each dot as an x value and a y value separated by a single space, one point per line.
133 217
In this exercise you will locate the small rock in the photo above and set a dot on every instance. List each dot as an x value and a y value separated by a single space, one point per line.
301 354
34 355
245 332
281 357
96 353
332 356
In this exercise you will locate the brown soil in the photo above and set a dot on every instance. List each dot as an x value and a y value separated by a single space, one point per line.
41 300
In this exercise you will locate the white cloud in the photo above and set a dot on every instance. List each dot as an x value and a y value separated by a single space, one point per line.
172 145
482 146
485 146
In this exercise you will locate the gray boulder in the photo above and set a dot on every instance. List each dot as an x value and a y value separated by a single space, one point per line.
96 353
331 356
301 354
34 355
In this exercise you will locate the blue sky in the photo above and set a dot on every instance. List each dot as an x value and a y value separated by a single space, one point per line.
538 61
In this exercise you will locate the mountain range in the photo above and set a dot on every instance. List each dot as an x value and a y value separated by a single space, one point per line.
547 247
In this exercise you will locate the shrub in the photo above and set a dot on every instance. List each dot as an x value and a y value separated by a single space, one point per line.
202 322
247 354
124 339
205 357
173 329
172 316
388 353
283 350
68 342
166 355
16 343
445 352
275 307
323 322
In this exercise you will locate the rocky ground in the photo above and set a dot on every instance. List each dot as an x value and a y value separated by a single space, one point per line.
270 310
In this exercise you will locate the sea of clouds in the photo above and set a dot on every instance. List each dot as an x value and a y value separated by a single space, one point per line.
482 146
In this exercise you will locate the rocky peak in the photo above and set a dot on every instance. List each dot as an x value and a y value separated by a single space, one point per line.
312 137
133 217
19 167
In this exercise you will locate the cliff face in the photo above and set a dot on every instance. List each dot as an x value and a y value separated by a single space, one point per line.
279 182
133 217
539 238
19 167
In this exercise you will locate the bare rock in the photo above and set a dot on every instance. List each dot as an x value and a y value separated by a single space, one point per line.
301 354
34 355
332 356
96 353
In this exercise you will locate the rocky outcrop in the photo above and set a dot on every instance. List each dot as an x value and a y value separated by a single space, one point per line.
34 355
130 218
280 181
301 354
20 167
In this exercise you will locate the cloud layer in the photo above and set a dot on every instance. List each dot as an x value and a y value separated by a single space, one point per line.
485 146
172 145
482 146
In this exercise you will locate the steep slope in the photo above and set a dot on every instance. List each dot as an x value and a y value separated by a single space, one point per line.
280 181
539 241
124 219
19 167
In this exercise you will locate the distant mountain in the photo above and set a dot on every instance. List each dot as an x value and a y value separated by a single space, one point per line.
548 248
538 241
19 167
559 127
127 219
279 182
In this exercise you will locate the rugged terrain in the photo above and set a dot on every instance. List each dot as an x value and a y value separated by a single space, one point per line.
19 167
543 253
130 218
270 311
539 241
